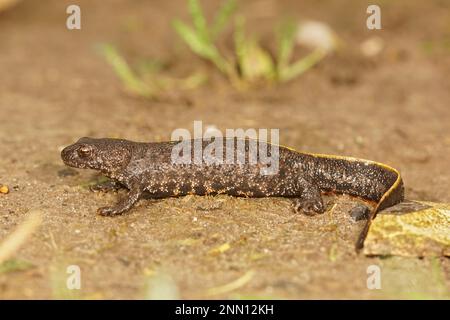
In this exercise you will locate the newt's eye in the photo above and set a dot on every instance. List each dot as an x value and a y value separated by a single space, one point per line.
84 151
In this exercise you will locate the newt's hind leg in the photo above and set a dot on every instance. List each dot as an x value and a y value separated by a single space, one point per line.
310 201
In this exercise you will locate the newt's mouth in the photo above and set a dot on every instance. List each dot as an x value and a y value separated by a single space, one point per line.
70 158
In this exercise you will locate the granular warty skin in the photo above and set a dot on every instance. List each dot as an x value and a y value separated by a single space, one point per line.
150 168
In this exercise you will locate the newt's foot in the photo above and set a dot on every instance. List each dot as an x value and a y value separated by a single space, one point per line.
309 207
108 211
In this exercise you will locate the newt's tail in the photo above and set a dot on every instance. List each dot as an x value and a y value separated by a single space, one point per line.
369 180
394 195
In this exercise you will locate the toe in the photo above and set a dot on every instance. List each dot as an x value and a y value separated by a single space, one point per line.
309 207
105 211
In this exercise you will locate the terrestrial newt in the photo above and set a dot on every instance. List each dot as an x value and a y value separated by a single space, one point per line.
149 167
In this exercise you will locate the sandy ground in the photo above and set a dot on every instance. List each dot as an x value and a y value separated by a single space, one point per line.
54 88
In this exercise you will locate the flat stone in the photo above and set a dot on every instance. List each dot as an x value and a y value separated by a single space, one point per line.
412 229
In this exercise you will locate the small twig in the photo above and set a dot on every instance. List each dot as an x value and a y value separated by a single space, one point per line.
240 282
16 239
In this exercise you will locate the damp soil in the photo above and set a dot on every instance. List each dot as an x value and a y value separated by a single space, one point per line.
54 88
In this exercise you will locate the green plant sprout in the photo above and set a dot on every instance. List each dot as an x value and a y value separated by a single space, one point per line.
249 64
254 63
200 38
286 42
129 78
147 81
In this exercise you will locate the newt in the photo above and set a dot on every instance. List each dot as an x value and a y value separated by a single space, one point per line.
149 168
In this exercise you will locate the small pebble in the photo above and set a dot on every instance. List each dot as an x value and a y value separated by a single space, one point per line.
4 189
360 212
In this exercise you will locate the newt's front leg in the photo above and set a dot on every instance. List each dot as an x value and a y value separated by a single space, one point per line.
124 204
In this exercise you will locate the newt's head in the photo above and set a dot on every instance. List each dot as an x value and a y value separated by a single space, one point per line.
107 155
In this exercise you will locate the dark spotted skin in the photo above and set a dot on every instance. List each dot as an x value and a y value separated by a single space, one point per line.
148 167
